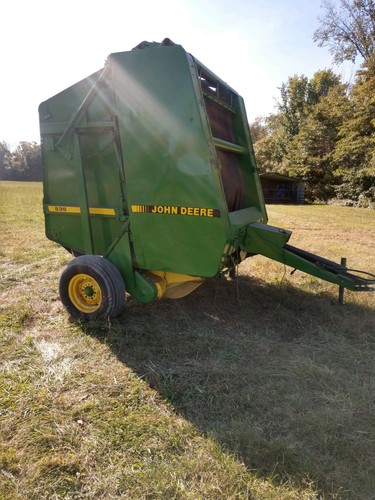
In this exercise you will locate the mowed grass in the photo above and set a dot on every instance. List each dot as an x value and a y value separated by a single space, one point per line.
259 387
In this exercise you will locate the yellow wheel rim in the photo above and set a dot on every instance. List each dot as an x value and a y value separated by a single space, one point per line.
85 293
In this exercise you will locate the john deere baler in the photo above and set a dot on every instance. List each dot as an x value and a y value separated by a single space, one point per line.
150 181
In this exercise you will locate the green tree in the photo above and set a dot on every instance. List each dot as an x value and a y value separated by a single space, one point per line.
292 107
25 162
298 96
348 32
320 84
355 151
259 128
272 134
267 142
310 153
4 161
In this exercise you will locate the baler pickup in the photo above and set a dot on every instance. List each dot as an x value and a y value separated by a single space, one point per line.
150 181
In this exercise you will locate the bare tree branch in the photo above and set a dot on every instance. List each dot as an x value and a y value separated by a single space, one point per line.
349 32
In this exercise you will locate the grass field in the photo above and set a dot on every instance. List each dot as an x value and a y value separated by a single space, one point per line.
261 387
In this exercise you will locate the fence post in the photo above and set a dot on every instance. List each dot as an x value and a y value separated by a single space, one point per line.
341 288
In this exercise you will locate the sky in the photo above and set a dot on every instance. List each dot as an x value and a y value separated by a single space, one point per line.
253 45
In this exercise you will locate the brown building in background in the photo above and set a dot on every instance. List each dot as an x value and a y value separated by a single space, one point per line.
279 188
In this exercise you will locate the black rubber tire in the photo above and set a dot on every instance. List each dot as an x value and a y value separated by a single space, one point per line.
104 275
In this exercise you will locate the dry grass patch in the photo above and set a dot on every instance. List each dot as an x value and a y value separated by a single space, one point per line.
261 387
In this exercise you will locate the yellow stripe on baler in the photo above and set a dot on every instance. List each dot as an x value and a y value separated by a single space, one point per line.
76 210
102 211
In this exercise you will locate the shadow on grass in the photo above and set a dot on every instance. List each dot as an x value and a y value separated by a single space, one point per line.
276 375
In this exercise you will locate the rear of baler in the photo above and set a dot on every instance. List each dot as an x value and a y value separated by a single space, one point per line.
150 180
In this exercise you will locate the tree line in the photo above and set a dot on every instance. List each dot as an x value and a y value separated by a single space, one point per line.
24 163
323 130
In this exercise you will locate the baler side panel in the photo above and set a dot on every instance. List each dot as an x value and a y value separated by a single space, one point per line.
88 153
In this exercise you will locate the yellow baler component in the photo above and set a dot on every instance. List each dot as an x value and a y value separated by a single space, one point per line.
174 285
